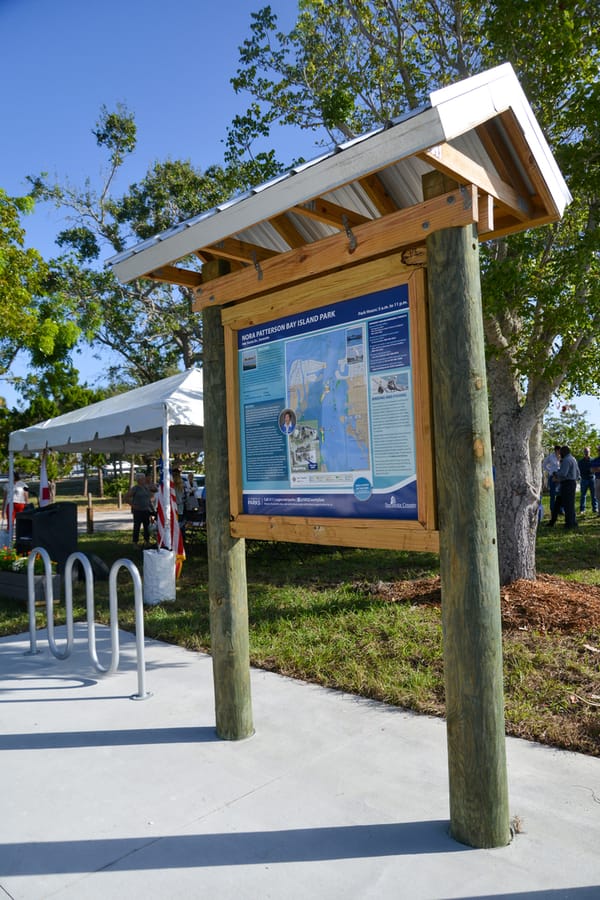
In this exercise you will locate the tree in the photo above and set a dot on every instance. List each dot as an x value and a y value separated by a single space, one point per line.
35 319
564 424
351 64
541 292
150 326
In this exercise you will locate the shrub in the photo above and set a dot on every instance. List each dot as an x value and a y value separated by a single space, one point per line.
112 486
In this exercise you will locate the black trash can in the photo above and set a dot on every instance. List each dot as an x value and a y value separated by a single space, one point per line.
52 527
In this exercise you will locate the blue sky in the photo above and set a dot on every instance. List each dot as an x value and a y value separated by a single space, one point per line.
170 63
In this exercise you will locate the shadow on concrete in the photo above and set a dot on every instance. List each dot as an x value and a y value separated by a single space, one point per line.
118 738
239 849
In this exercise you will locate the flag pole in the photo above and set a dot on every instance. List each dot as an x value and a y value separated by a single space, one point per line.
166 485
44 498
9 497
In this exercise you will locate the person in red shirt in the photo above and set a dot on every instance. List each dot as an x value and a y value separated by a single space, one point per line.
20 497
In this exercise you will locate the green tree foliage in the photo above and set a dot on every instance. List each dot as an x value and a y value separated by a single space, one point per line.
35 318
564 424
349 65
149 326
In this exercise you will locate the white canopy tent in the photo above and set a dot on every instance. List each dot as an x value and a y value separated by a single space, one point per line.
167 413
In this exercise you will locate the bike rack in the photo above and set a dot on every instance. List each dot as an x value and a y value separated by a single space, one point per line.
142 694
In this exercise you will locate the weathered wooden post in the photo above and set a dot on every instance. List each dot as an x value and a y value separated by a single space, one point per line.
227 587
90 516
479 814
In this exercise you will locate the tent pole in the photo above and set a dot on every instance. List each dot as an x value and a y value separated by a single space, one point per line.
10 495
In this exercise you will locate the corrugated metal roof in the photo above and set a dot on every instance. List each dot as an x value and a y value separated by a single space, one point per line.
487 119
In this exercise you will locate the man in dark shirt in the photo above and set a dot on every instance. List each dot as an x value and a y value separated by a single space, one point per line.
567 475
140 499
588 481
595 469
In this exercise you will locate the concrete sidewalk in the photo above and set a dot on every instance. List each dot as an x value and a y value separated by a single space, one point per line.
333 797
105 519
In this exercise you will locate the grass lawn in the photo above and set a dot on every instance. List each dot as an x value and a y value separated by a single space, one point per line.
316 614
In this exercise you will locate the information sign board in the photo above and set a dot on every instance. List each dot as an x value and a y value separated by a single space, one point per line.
327 411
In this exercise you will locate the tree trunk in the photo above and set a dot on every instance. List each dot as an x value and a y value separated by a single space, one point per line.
516 435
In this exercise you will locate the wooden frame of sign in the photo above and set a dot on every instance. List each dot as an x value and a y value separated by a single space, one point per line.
362 280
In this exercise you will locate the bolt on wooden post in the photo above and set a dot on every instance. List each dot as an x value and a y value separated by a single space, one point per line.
471 620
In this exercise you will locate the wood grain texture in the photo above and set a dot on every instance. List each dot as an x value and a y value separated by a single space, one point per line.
468 549
227 588
379 274
405 228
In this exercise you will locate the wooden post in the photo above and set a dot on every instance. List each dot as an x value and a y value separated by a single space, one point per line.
227 589
471 620
90 515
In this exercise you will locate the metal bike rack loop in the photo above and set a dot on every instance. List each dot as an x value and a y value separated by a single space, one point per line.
142 693
89 605
39 551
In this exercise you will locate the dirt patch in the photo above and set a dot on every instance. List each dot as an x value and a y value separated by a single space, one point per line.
547 604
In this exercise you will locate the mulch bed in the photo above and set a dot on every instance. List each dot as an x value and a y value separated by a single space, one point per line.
547 604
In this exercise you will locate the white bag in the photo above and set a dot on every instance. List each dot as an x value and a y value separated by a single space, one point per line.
159 576
4 538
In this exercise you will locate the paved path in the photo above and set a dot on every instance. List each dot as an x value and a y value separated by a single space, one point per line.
105 519
334 797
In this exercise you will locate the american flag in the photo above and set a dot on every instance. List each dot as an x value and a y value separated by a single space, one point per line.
160 508
174 540
176 535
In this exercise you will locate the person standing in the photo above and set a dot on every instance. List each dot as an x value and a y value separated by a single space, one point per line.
588 481
566 476
595 469
20 497
551 465
140 499
191 501
180 492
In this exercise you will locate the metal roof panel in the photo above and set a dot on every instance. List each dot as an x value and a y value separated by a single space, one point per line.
390 151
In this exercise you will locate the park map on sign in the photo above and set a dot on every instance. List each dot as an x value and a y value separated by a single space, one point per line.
327 388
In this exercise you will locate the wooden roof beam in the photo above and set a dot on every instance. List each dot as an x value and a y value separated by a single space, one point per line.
452 162
287 231
377 194
404 228
330 213
203 256
242 251
175 275
528 161
492 137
